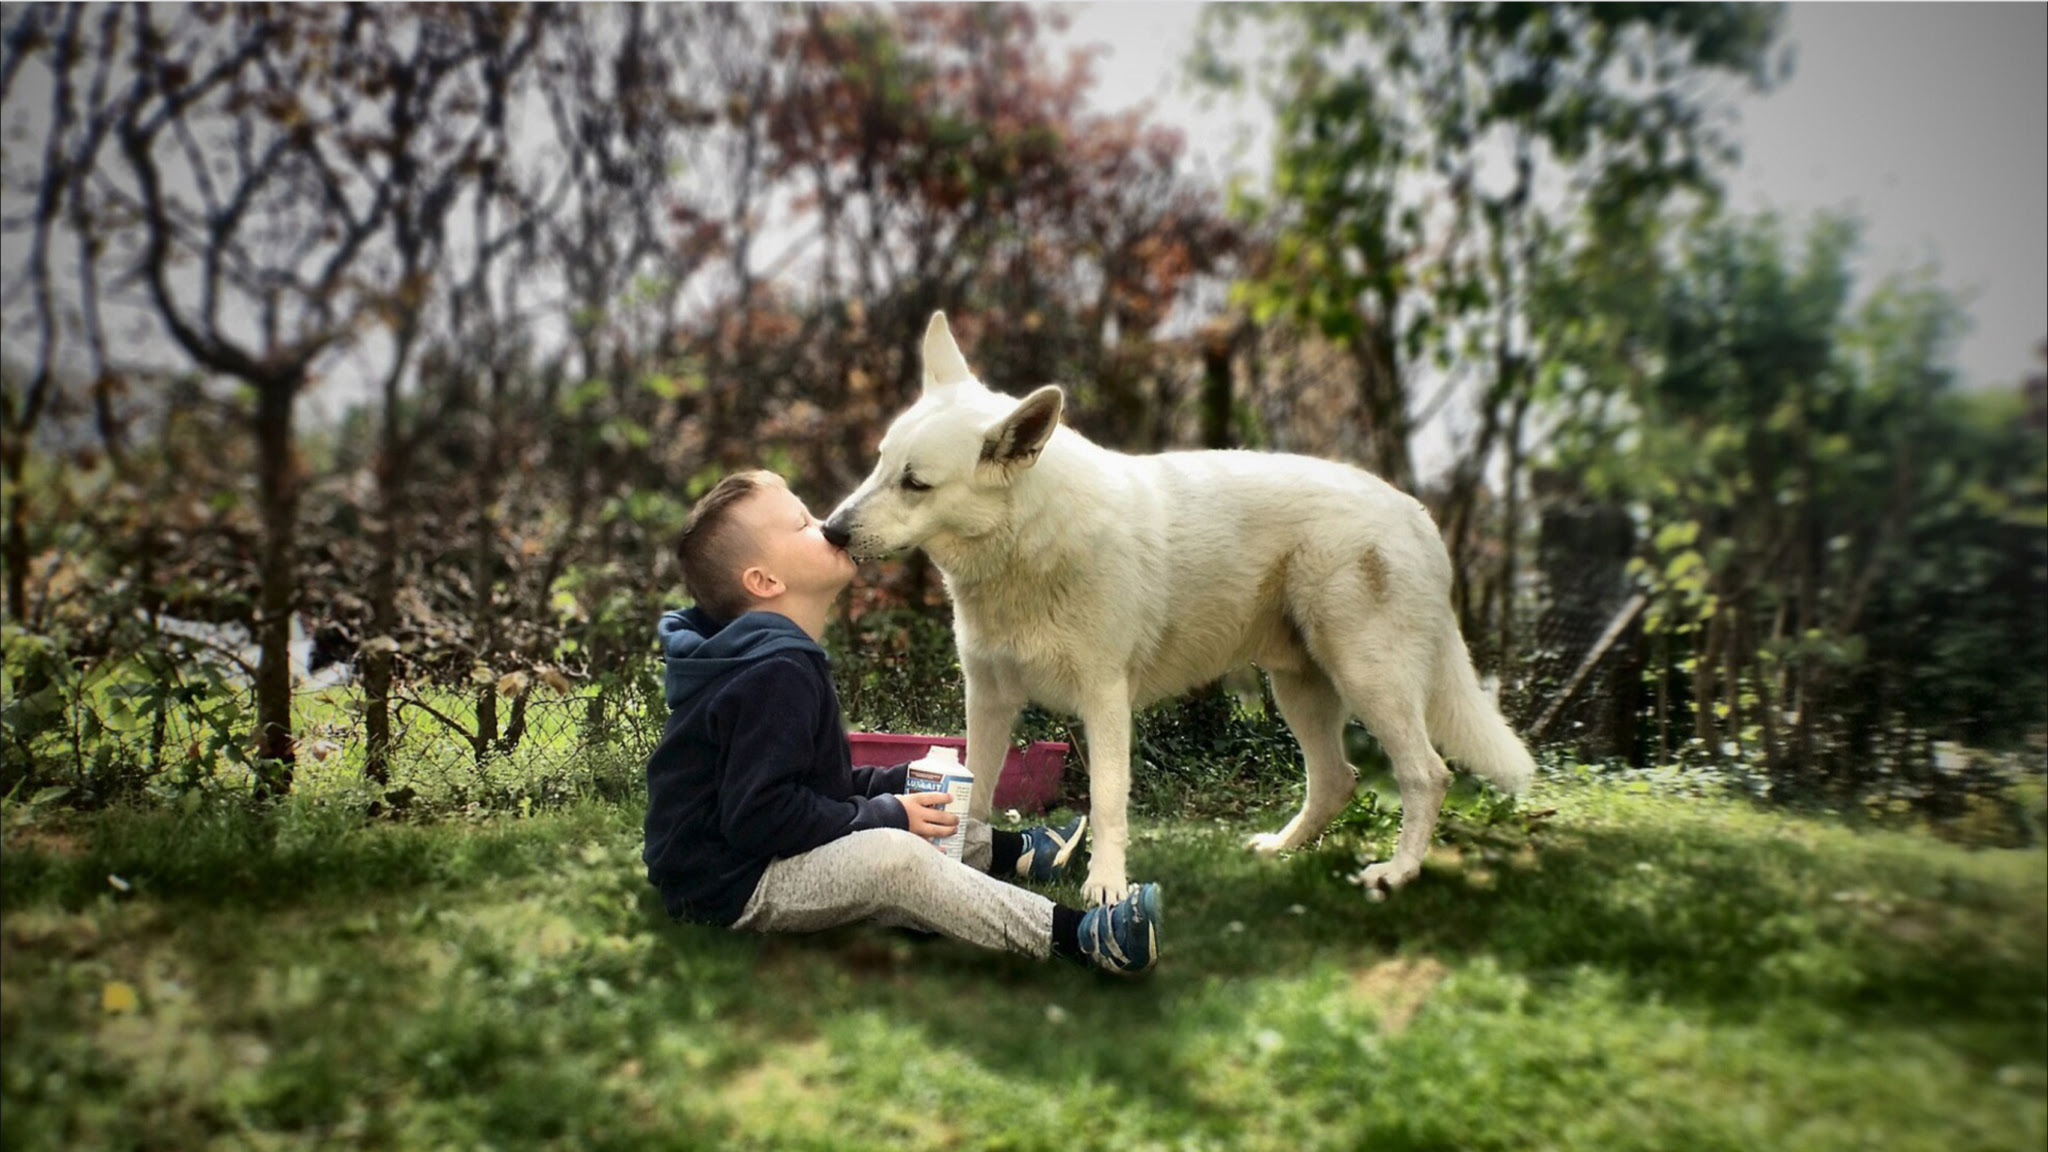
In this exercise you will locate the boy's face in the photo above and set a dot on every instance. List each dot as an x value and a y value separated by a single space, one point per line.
791 554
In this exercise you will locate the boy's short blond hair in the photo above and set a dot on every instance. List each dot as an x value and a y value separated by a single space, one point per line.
713 550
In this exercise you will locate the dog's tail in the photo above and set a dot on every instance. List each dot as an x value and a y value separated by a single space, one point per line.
1466 724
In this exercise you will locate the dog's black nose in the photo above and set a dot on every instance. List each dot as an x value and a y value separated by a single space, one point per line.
836 533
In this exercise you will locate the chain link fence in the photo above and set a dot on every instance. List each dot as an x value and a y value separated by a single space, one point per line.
465 746
1582 678
170 718
176 718
1595 686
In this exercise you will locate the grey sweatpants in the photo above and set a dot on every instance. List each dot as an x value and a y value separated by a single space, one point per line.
896 878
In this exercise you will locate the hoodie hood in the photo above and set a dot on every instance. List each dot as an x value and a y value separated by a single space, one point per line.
699 651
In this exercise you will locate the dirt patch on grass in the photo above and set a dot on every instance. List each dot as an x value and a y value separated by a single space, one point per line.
57 842
1396 989
781 1084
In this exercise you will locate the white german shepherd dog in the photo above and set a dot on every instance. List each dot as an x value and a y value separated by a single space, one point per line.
1095 583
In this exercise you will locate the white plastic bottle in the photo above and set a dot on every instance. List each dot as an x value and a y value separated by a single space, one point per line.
941 771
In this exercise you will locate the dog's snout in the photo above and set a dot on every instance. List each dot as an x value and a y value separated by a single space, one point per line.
837 533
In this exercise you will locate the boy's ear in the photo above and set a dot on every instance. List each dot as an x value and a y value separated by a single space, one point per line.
760 584
1014 442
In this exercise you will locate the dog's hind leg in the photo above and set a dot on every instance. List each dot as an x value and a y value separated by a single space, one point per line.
1396 718
1376 632
1385 689
1313 709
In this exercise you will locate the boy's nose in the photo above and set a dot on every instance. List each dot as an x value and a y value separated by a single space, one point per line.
836 532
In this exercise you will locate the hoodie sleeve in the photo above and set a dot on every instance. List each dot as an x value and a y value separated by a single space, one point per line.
881 781
766 721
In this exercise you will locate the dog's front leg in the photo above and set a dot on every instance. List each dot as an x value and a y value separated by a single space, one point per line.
1107 717
991 716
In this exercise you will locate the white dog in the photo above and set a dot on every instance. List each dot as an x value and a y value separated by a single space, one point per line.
1095 583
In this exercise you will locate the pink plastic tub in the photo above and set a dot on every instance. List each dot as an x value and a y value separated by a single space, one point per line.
1031 775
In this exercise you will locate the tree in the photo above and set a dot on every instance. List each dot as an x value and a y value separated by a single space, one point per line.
448 145
1834 533
950 166
582 259
1432 156
81 111
261 160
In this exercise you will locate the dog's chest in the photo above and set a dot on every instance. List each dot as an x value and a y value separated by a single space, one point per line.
1046 650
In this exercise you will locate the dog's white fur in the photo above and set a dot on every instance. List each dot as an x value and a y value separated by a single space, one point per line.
1092 582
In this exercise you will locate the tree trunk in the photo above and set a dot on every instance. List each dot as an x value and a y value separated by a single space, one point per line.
16 459
486 723
1703 689
1458 516
1766 702
1809 619
1386 403
1663 698
277 587
1731 652
1216 391
515 725
394 473
377 659
596 717
1510 534
483 562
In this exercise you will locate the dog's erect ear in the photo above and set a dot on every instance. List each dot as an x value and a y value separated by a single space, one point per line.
1015 441
943 364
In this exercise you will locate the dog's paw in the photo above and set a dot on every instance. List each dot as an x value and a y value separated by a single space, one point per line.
1380 880
1104 889
1268 843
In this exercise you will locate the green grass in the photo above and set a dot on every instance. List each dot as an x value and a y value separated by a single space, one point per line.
1632 971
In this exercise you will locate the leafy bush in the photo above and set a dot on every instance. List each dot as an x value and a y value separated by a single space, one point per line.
115 723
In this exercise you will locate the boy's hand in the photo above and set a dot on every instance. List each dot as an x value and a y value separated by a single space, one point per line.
928 815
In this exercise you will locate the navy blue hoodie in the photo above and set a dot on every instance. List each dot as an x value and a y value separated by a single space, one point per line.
754 764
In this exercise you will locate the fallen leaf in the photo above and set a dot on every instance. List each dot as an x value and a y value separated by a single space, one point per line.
118 997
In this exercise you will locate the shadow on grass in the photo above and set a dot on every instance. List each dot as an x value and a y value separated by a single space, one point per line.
1740 927
233 855
512 968
1690 913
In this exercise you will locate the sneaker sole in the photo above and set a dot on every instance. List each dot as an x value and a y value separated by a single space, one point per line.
1055 867
1059 862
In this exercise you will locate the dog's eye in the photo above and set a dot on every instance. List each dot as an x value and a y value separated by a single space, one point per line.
913 484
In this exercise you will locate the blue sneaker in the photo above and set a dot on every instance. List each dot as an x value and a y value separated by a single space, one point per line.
1047 851
1123 937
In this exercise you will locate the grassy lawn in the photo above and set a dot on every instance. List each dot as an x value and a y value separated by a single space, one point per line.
1632 970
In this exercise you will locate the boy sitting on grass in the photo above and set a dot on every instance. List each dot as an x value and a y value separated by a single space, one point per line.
756 817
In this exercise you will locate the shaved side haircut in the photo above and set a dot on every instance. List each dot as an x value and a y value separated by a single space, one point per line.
713 549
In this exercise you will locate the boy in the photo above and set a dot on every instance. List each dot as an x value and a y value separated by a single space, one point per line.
756 818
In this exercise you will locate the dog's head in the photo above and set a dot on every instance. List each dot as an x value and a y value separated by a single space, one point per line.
948 463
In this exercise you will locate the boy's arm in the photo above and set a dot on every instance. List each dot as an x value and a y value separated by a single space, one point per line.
768 724
882 781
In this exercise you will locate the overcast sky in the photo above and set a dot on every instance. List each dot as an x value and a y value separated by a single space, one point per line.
1928 121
